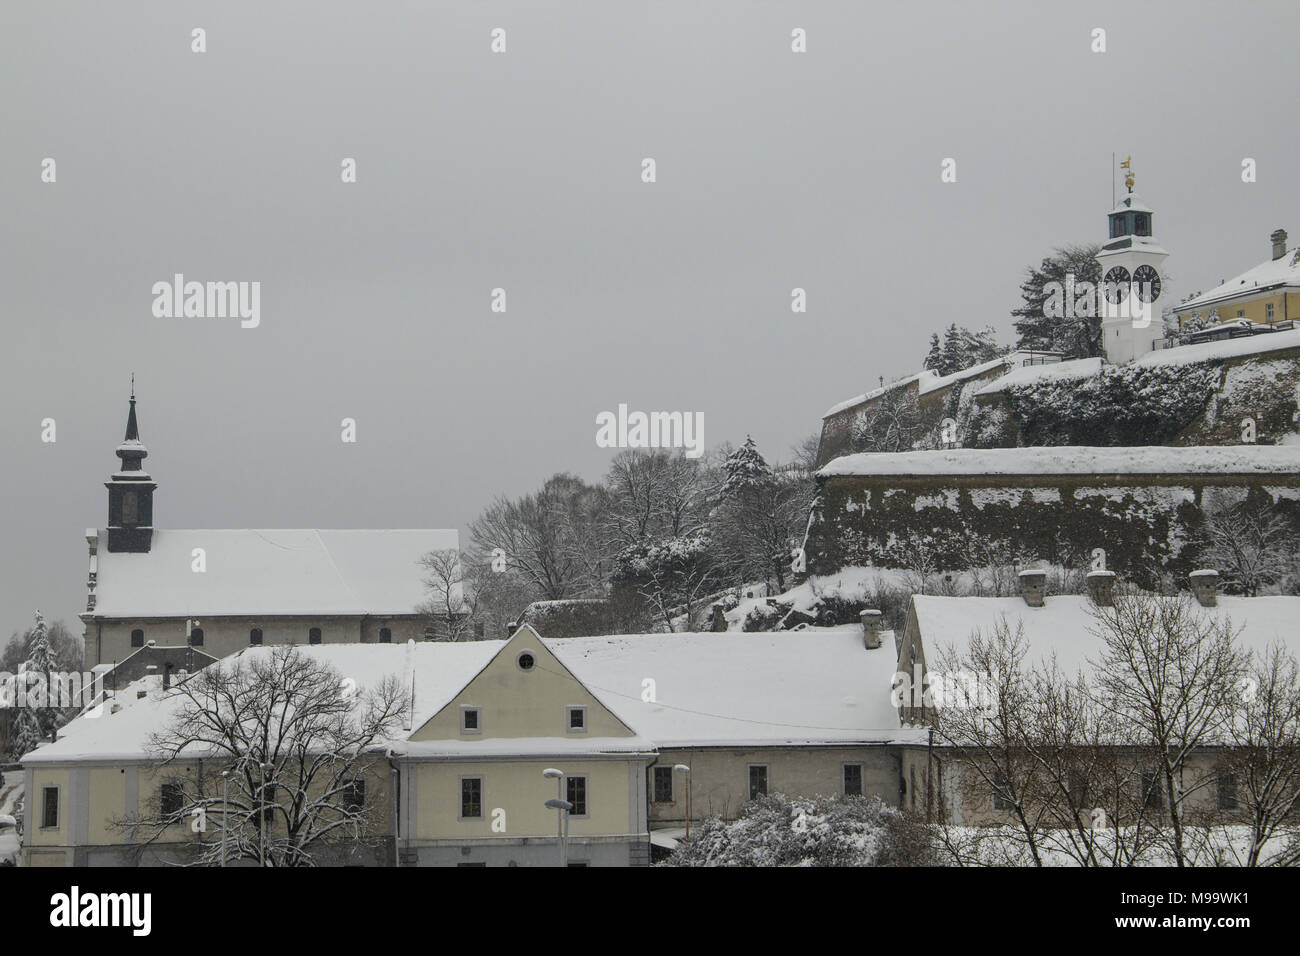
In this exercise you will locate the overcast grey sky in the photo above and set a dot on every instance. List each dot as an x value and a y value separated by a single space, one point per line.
522 171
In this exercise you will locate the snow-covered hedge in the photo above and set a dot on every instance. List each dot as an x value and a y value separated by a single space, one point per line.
821 831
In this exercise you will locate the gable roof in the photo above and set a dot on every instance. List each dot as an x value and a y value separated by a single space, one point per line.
1273 274
268 572
1064 626
816 686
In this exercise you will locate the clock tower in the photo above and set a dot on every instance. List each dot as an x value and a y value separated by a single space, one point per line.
130 493
1130 298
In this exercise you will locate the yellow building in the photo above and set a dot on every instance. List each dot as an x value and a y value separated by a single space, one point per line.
632 728
1267 294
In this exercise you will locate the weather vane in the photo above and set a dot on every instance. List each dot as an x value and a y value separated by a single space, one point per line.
1128 179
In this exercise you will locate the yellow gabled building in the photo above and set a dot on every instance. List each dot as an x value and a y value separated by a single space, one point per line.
1267 294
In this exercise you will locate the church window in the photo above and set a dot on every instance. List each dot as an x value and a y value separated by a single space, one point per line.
313 636
385 635
196 637
853 779
137 638
757 781
255 636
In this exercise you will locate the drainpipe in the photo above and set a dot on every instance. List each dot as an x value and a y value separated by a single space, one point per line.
395 783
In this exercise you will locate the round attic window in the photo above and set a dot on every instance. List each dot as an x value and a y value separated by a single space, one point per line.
525 660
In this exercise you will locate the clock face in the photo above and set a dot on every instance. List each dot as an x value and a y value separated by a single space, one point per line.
1117 284
1147 281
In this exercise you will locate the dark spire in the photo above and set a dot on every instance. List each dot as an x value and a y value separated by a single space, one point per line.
132 450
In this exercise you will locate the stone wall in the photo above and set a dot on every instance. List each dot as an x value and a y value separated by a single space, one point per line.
1143 522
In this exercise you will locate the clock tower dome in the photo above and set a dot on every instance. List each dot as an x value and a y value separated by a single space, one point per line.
1130 298
130 493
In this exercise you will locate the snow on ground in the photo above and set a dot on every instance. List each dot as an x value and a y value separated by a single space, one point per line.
1052 371
989 846
1073 460
1222 349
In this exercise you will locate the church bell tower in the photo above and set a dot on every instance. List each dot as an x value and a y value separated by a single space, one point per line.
130 492
1130 261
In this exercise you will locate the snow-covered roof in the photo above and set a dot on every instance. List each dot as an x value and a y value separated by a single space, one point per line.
1267 275
877 392
1223 349
1074 460
929 380
266 572
1065 627
1131 202
935 382
809 687
1052 371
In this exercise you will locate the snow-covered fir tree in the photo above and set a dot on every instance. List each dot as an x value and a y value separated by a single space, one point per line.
745 470
37 717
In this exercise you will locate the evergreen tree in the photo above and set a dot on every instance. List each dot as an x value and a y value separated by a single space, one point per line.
934 358
745 471
37 718
1077 336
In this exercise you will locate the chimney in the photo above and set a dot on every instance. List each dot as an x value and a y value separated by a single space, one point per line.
1205 585
1032 586
872 624
1101 588
1279 243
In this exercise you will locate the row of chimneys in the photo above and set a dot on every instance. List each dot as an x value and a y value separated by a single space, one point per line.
1101 587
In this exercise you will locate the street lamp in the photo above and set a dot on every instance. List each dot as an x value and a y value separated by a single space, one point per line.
558 776
267 766
682 768
563 808
225 811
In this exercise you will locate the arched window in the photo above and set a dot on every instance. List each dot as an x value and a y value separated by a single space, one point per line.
196 637
255 636
385 635
137 638
313 636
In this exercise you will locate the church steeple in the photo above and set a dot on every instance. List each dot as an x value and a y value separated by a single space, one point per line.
130 492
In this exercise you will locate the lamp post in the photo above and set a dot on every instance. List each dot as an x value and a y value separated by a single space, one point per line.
225 811
682 768
563 807
558 776
261 809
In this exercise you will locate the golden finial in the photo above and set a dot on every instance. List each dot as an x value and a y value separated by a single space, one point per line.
1128 180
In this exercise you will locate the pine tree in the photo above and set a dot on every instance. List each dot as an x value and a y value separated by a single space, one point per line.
746 470
1078 336
953 354
38 717
934 358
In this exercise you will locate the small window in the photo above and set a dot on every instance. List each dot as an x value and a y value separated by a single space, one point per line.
525 660
1241 313
1227 791
853 780
757 781
1152 796
137 638
353 794
577 723
663 785
469 720
130 509
385 635
1143 225
471 798
1001 799
576 794
313 636
1268 313
196 637
171 796
50 807
255 637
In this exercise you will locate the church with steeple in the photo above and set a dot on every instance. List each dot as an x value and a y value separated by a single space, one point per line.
215 591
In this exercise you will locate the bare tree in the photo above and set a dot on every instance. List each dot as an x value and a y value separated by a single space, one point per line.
450 601
296 740
1251 547
1169 672
1263 765
890 423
